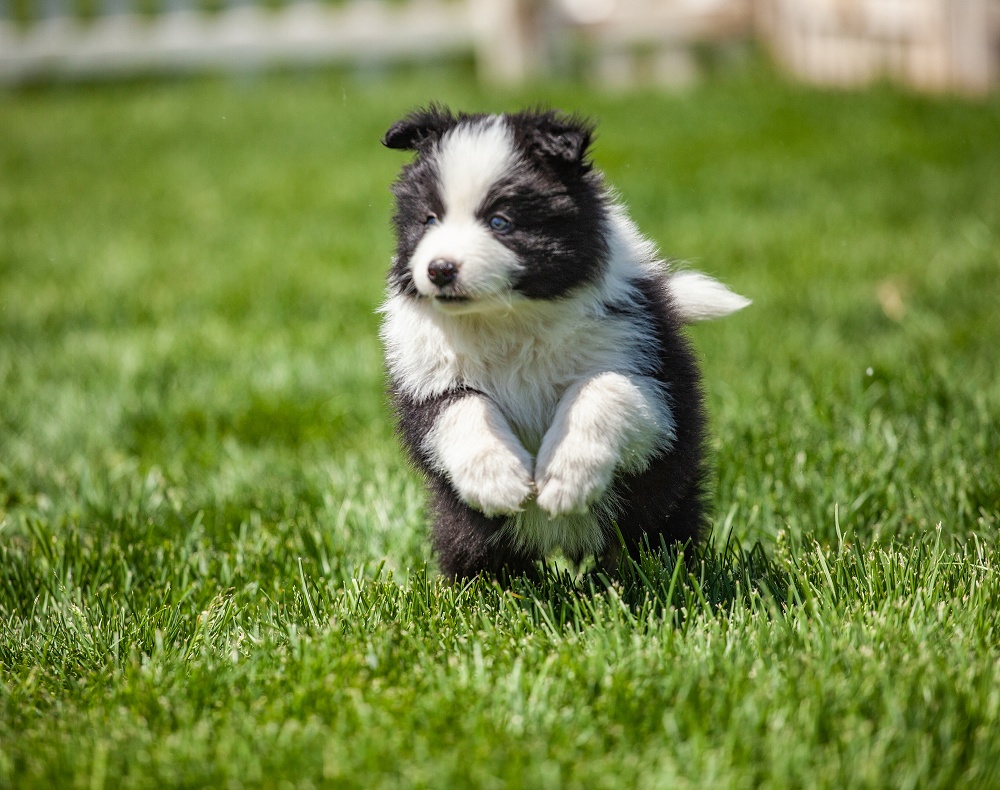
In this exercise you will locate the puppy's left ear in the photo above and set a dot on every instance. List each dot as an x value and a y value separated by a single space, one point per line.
563 139
410 133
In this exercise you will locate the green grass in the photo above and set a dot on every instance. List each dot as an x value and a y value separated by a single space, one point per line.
213 559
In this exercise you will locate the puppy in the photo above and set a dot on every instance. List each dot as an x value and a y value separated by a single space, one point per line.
534 348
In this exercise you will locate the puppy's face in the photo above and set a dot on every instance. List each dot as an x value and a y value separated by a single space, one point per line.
495 209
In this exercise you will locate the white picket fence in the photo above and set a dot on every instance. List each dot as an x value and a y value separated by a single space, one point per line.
929 44
511 40
120 40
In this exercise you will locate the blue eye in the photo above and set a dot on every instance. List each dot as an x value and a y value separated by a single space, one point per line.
431 219
500 224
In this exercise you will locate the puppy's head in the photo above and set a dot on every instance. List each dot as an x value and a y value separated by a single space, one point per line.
495 209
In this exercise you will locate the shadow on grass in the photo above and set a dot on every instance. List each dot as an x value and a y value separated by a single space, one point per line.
666 583
682 585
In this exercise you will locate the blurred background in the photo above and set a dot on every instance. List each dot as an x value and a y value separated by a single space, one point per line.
933 45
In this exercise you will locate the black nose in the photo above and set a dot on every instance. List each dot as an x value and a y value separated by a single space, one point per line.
442 272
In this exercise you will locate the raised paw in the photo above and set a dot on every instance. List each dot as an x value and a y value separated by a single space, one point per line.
474 447
493 481
568 488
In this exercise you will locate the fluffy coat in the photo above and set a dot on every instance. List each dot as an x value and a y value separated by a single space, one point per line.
534 348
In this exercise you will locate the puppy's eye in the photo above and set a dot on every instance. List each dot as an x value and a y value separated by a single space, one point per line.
500 224
431 219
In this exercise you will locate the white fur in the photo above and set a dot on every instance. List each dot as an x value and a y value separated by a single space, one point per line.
564 381
485 267
474 447
698 297
577 534
470 160
604 423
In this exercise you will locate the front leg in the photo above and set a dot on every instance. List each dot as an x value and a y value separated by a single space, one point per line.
473 446
605 423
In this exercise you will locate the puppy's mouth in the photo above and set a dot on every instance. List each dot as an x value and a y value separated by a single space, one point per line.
454 303
450 299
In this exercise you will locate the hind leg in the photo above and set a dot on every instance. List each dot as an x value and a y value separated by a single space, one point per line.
665 505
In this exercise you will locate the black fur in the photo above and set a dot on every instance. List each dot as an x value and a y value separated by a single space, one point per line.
665 503
560 208
556 201
466 541
417 128
668 499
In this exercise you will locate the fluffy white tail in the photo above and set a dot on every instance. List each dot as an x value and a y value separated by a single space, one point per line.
698 297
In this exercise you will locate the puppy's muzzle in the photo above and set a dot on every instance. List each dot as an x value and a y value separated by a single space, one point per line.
442 272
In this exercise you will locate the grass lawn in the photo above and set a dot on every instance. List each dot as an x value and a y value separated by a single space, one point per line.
213 558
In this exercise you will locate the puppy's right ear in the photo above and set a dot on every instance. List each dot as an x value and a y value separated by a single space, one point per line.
410 133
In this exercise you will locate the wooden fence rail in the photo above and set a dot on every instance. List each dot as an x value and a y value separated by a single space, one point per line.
119 39
511 40
929 44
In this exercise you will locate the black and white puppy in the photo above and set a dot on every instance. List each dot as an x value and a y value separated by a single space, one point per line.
534 348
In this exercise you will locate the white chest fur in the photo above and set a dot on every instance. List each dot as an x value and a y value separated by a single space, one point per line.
523 359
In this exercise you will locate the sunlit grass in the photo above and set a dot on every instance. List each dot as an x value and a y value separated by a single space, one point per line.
213 559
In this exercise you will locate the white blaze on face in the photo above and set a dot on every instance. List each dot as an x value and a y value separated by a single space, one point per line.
470 160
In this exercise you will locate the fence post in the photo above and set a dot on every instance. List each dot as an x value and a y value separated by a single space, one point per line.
510 45
971 50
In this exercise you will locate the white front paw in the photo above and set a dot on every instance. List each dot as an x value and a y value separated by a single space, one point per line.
474 447
493 481
569 486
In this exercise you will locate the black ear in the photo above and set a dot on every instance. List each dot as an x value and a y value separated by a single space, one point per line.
411 132
564 139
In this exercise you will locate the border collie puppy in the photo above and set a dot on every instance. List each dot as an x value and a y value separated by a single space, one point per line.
534 348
